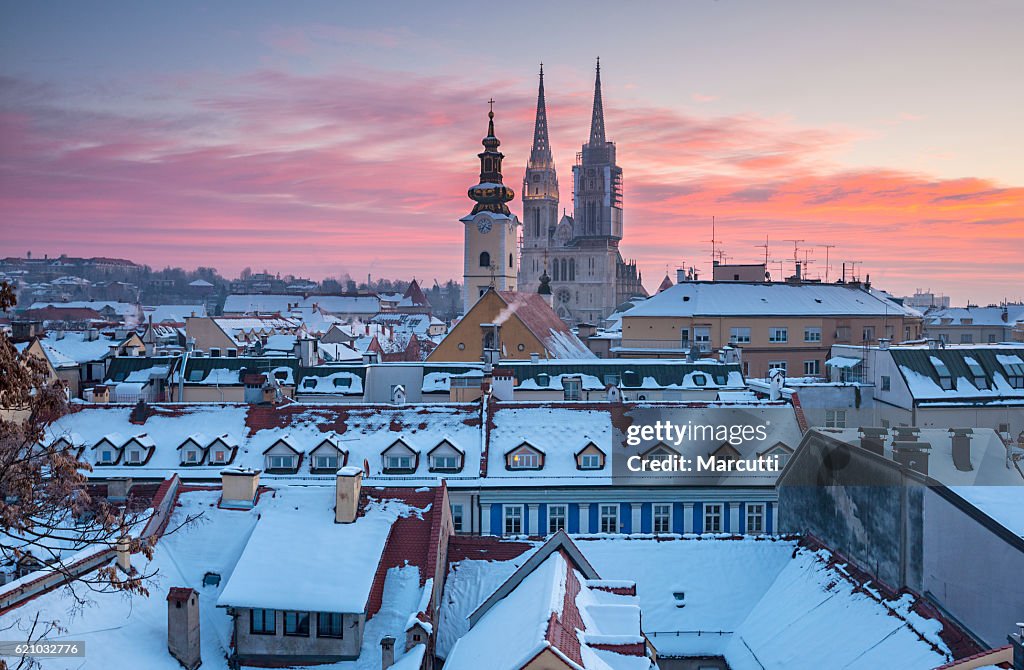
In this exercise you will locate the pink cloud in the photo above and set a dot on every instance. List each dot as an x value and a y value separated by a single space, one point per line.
323 175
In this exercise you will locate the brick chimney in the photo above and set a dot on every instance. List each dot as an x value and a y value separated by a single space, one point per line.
122 551
387 652
348 484
238 487
183 626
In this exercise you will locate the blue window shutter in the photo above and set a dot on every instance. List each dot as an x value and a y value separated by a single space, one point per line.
646 518
595 519
526 519
725 512
698 518
497 522
768 520
542 519
743 518
626 517
574 518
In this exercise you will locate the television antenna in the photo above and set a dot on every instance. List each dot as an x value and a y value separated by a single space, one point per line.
827 266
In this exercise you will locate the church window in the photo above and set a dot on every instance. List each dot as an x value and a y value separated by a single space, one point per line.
511 261
485 260
554 271
572 269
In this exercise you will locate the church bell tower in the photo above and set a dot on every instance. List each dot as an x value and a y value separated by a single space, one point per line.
491 230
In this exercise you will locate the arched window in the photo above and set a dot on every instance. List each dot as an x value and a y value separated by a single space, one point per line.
565 270
572 269
511 262
487 165
485 260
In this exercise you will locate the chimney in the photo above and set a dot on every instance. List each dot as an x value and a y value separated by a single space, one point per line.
883 343
122 550
503 384
348 484
535 358
585 330
387 652
239 487
183 626
680 275
961 438
873 439
913 455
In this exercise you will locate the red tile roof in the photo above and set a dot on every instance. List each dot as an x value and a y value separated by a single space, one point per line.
536 314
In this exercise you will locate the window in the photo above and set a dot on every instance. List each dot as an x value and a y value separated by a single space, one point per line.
134 456
778 335
991 338
755 518
868 334
330 624
843 334
702 337
524 459
191 456
835 418
609 516
556 518
398 462
296 623
611 380
263 622
326 462
445 462
195 375
812 367
485 260
966 338
684 338
713 518
280 462
777 365
886 383
513 519
571 387
1004 428
219 456
590 462
739 335
457 518
662 518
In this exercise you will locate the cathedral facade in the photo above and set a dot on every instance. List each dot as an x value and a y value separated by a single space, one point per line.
580 253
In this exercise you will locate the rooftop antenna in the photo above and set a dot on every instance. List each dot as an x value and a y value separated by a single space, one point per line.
853 269
714 243
796 253
765 247
827 266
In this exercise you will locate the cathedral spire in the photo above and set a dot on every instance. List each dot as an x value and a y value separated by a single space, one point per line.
540 155
597 137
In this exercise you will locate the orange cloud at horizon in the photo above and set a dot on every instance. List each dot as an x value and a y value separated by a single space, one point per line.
325 175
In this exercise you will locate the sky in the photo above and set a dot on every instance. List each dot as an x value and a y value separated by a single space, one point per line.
323 138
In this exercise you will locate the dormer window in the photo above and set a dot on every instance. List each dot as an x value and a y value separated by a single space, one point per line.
325 462
945 378
398 462
524 457
219 456
191 456
450 462
977 373
134 456
280 462
590 462
106 456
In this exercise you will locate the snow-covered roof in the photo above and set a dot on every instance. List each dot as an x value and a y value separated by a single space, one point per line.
269 303
987 456
975 316
74 348
979 374
297 535
744 599
172 313
123 309
688 299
